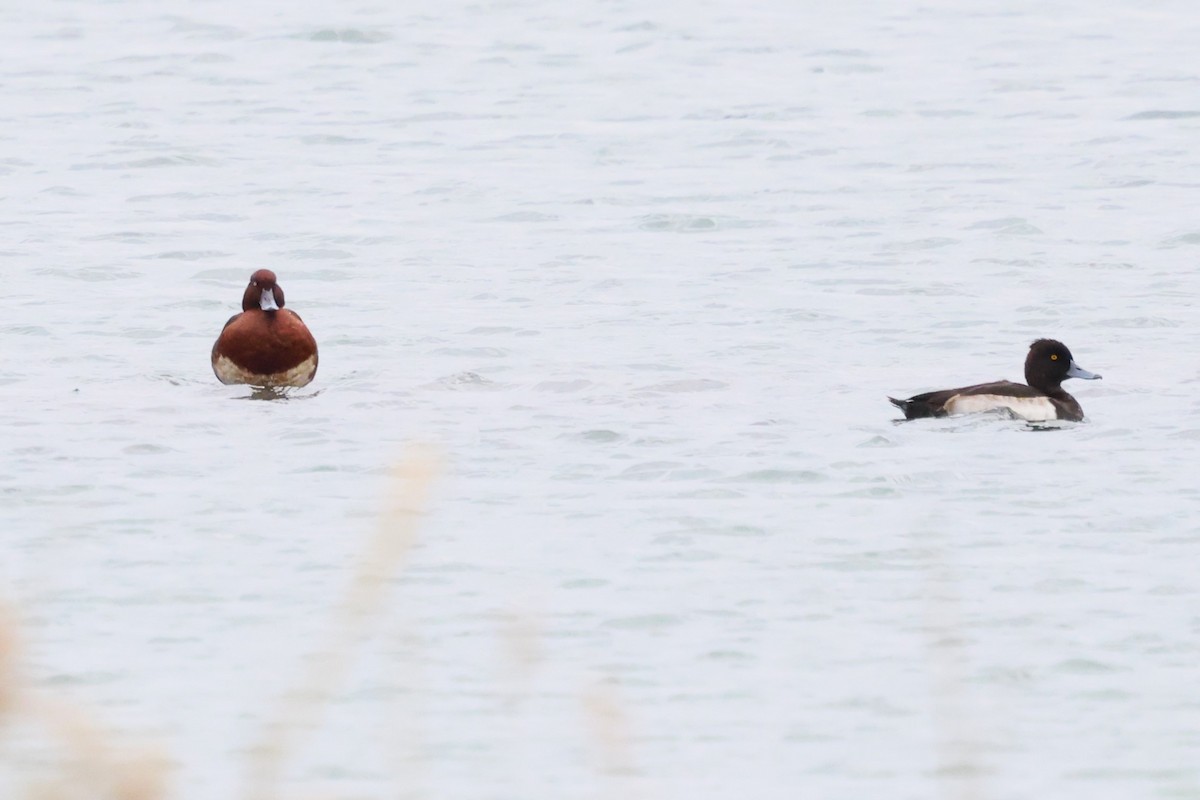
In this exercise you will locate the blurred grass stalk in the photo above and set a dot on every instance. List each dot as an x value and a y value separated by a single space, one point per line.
364 599
8 664
961 768
93 762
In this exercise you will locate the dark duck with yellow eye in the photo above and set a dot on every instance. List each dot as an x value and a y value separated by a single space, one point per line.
266 344
1048 364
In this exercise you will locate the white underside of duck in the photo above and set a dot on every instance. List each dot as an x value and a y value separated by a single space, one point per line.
1033 409
299 375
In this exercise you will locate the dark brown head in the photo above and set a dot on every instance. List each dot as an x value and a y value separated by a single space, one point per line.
1049 363
262 292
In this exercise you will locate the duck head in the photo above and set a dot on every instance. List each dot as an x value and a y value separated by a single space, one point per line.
1049 363
263 292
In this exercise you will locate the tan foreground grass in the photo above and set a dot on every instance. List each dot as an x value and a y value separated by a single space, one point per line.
92 762
8 663
301 710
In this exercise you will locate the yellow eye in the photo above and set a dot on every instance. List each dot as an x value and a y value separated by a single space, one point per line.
1054 356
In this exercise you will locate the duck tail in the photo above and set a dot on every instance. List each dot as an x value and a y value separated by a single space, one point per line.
914 408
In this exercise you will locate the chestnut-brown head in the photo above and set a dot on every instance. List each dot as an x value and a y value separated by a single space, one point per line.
263 292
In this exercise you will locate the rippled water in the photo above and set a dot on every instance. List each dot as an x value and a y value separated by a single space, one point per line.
646 274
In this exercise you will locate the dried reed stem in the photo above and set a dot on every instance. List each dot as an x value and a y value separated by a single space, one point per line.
958 748
301 709
9 648
93 766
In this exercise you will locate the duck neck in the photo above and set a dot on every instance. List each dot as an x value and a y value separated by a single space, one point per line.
1038 380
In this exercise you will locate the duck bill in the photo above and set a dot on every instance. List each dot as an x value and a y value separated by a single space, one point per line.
1077 371
267 302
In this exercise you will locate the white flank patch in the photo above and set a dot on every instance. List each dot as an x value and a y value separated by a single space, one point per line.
299 375
1033 409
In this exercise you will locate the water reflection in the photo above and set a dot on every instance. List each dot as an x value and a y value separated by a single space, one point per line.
277 393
